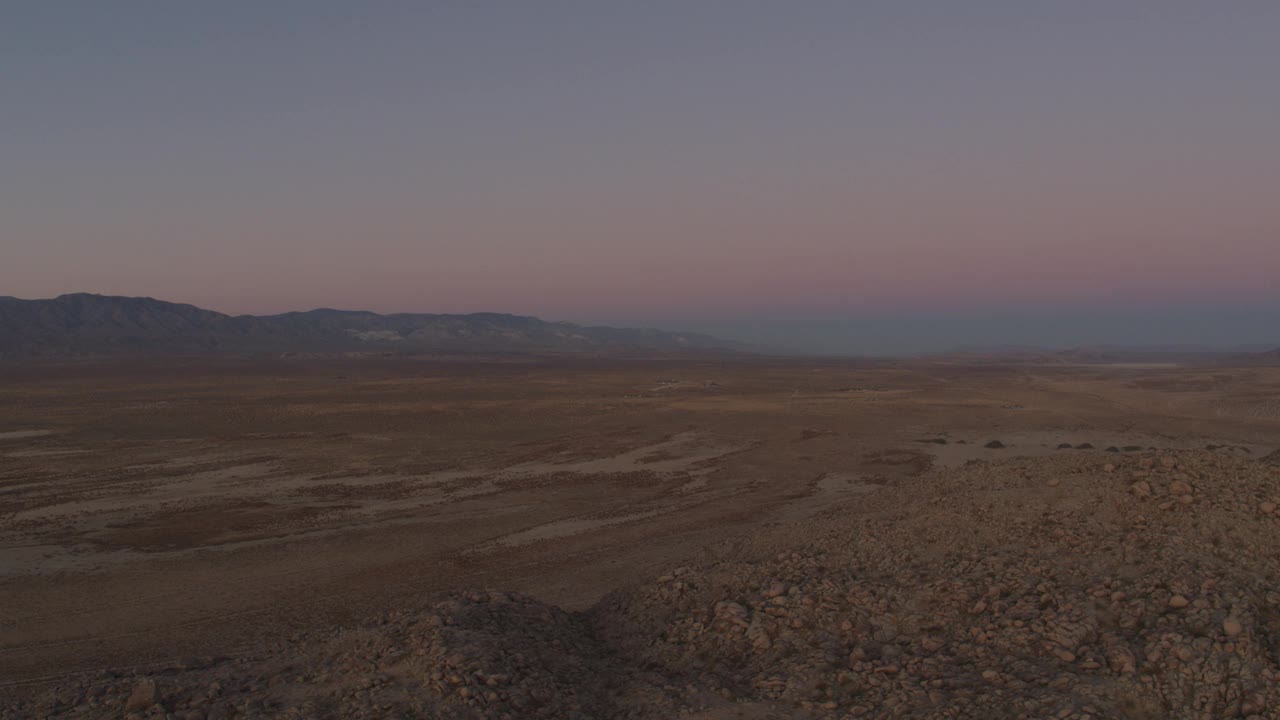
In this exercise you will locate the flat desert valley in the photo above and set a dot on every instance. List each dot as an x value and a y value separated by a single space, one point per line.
714 537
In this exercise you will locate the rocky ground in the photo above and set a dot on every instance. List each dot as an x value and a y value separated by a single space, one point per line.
1092 585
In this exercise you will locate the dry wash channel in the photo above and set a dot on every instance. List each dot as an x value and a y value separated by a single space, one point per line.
1074 587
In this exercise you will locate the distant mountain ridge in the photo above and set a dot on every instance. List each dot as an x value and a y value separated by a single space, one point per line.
1157 353
88 325
1271 357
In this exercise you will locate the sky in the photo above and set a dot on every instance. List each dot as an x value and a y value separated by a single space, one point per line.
830 176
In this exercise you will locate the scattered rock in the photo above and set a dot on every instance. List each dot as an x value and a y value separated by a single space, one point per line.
943 596
994 445
1065 656
144 696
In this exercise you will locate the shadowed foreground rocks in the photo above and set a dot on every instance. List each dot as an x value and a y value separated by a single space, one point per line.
1089 586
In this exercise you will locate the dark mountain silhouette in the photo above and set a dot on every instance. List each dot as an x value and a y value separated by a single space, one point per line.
83 325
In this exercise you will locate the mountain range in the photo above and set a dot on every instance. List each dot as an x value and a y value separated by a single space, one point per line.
88 325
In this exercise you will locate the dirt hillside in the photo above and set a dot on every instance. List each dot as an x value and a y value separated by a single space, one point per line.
1082 586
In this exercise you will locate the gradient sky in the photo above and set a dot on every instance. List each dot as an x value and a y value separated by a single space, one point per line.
833 175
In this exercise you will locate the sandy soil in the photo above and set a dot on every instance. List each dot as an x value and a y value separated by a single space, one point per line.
153 513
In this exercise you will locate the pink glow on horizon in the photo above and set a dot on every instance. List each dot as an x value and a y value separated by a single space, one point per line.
633 261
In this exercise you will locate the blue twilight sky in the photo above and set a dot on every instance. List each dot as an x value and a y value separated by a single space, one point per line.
831 176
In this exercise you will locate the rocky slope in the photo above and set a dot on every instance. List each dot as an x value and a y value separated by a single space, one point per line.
1090 586
95 325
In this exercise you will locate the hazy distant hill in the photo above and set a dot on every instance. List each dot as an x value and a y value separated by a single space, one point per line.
91 325
1103 354
1271 357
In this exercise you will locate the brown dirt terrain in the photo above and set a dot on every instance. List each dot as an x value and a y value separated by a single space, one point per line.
305 518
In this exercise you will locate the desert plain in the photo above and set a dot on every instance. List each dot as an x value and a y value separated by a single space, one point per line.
171 519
